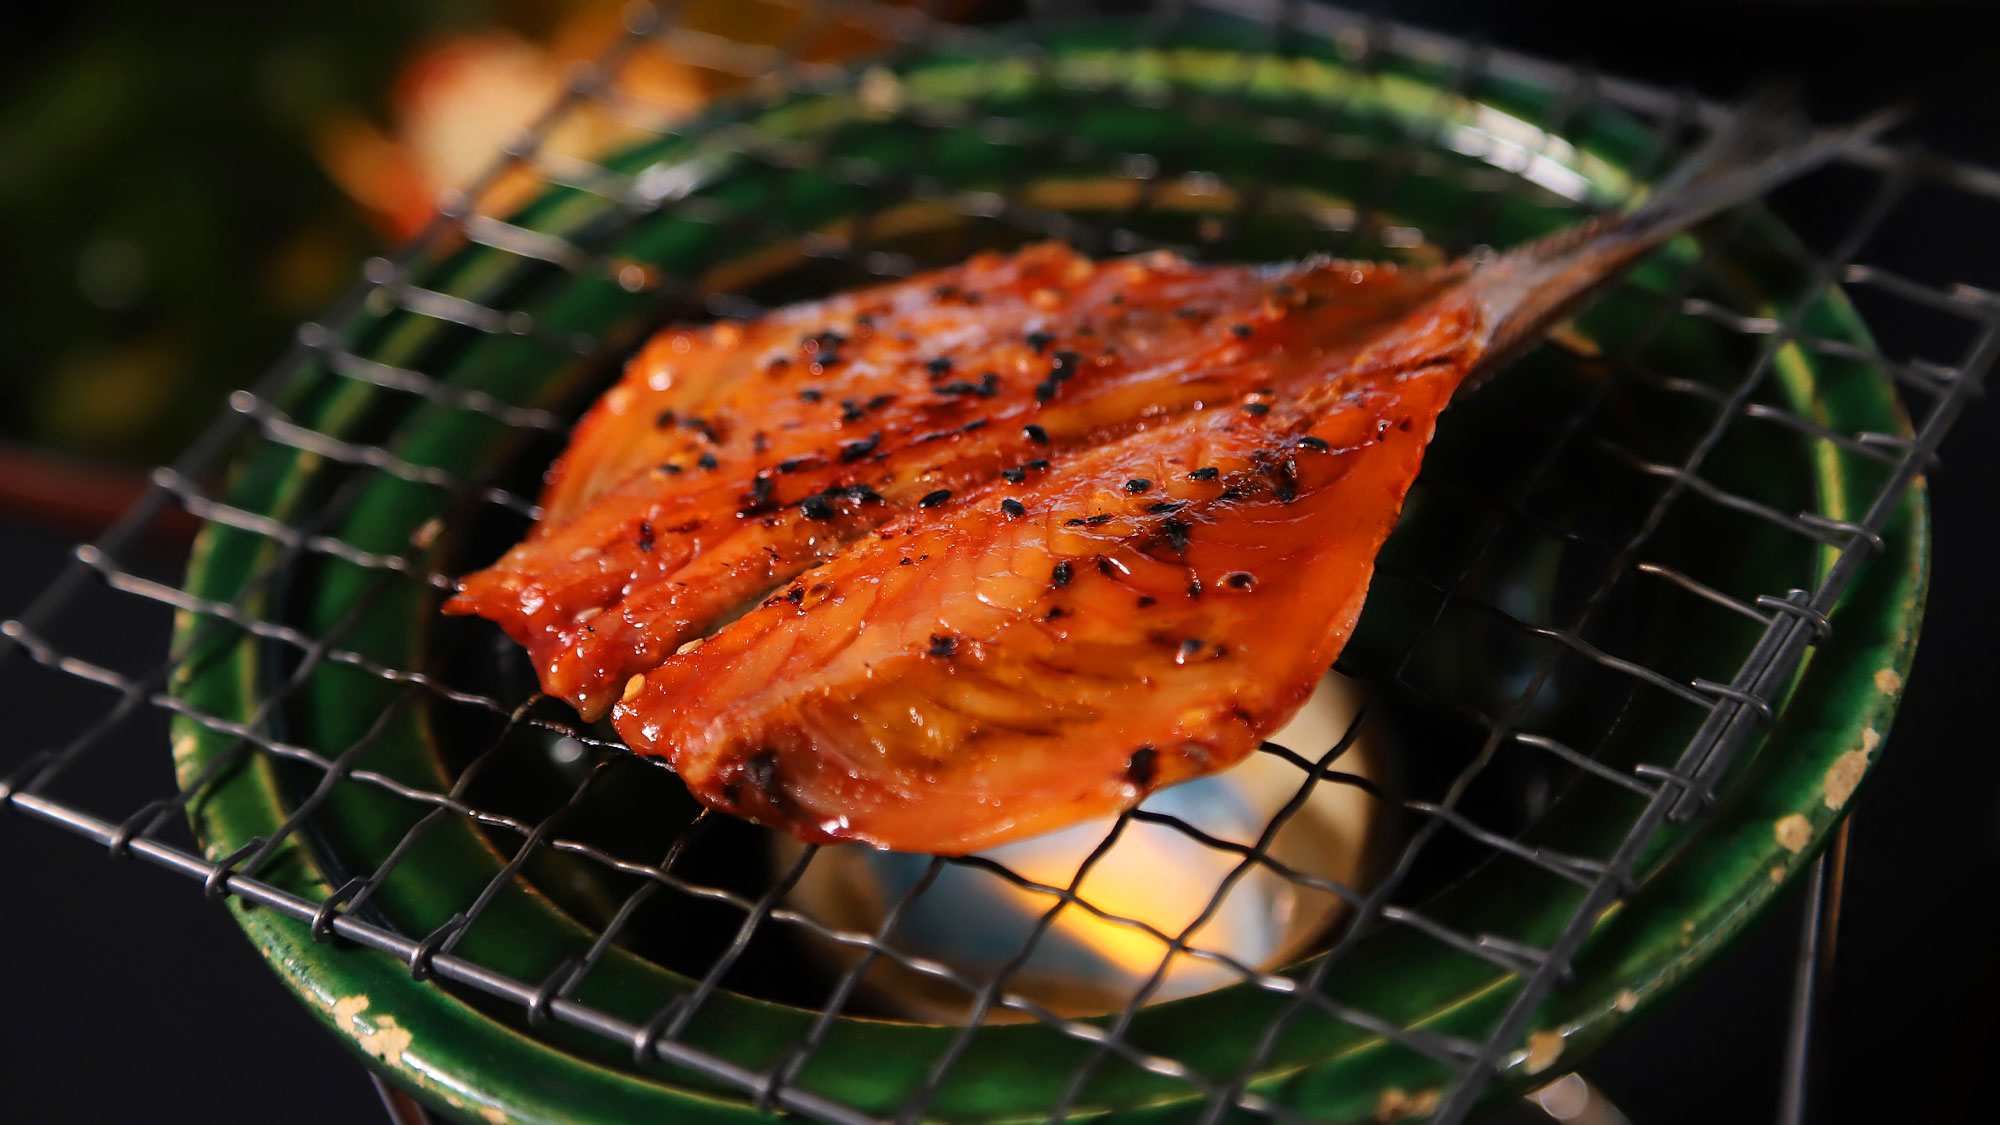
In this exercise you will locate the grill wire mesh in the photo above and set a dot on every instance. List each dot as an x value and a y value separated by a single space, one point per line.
52 780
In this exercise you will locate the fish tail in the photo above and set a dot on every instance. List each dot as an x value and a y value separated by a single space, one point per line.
1528 290
1768 143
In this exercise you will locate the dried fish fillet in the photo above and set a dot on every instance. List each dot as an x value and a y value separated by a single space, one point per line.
1006 546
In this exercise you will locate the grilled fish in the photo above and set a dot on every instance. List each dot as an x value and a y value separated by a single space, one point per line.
1006 546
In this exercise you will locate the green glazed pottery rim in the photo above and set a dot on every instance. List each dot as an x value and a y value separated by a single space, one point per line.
459 1056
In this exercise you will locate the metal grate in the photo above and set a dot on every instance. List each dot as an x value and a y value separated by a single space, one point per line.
1945 333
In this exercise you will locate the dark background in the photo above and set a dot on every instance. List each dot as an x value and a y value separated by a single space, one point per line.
126 997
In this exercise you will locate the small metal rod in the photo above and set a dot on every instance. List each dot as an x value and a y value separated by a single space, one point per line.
1812 981
401 1108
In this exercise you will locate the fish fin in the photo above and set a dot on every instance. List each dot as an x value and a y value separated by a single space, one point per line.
1767 142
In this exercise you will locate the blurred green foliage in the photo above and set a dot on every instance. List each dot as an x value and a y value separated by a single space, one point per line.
163 222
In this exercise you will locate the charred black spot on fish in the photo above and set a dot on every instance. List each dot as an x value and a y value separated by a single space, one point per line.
851 411
1147 600
707 461
1060 574
1240 331
1208 473
1189 647
1039 341
933 499
1089 521
1194 588
1317 445
1035 434
939 367
812 394
1137 485
1054 612
646 536
816 508
879 401
940 435
1285 482
1174 532
1013 508
1240 580
670 467
760 496
759 774
1014 476
1143 767
943 644
795 595
1160 507
663 419
1257 408
856 450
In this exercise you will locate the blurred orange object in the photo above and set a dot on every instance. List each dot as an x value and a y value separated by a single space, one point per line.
460 100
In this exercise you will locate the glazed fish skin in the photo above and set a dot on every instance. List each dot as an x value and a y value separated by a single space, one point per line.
731 458
974 676
1130 582
850 586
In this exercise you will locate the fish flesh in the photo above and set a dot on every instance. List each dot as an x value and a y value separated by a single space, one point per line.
1009 545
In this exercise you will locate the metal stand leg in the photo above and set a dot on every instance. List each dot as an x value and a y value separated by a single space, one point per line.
1812 981
402 1108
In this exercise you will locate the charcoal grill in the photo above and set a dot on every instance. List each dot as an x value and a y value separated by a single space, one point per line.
1639 636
